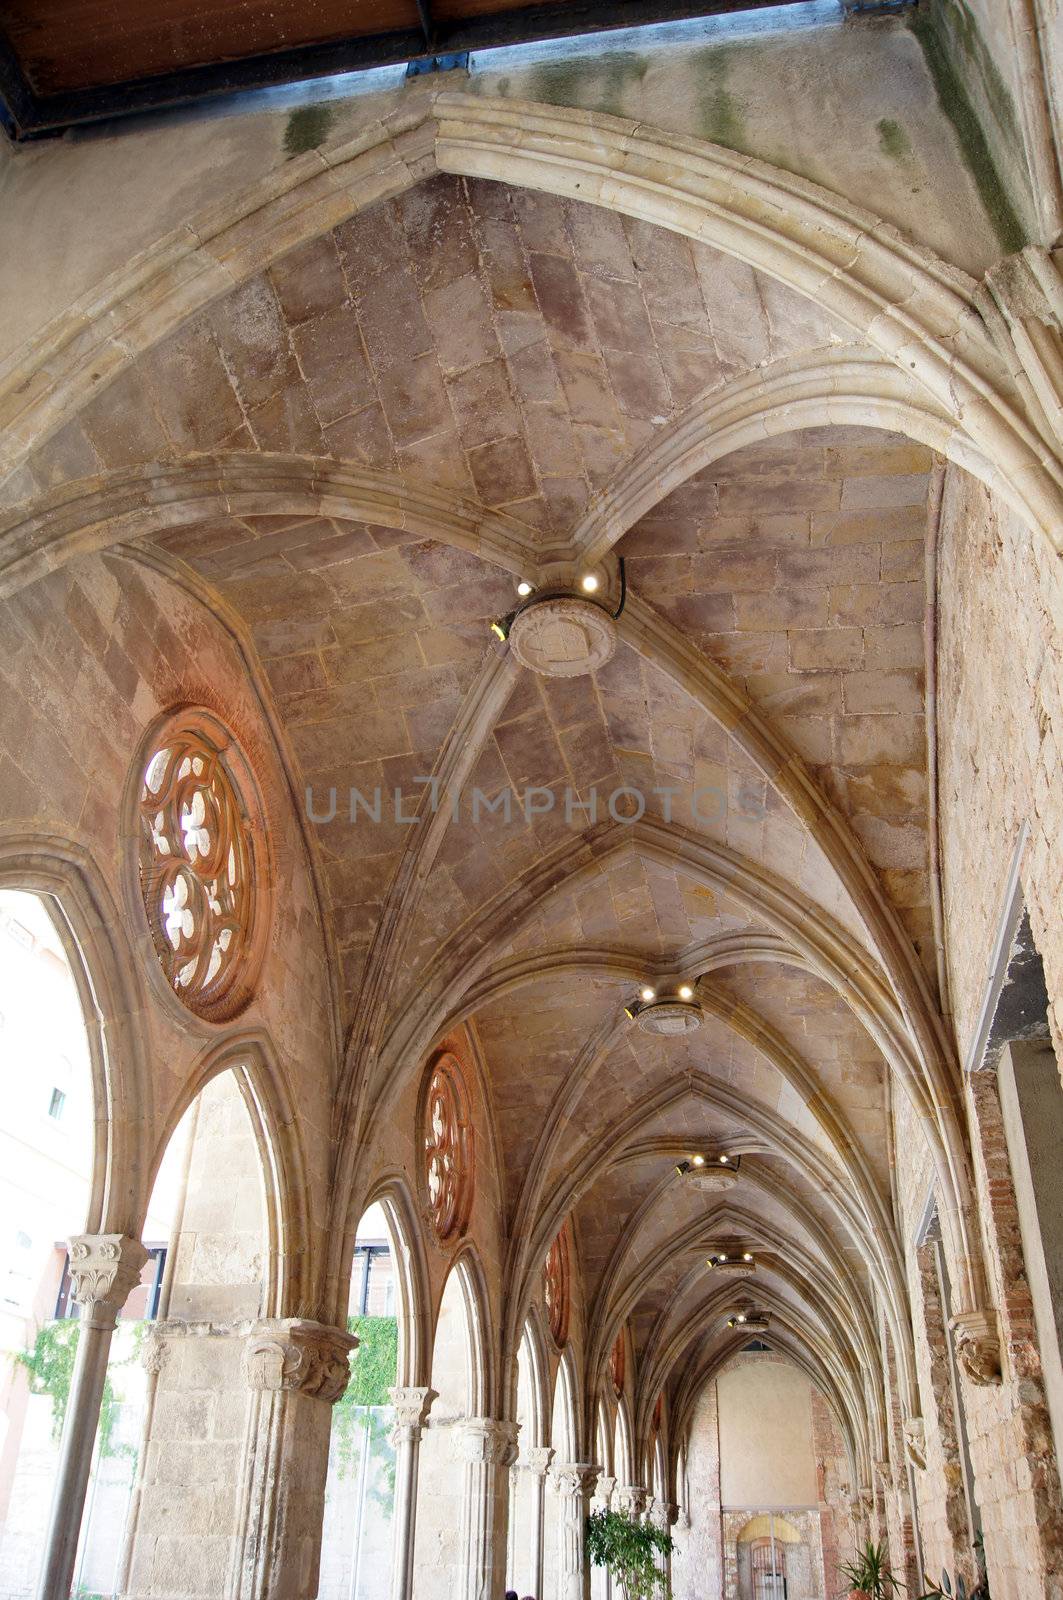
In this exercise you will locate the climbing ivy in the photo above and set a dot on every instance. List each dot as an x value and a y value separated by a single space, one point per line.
374 1367
50 1365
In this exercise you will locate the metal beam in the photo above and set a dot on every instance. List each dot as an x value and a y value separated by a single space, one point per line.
33 115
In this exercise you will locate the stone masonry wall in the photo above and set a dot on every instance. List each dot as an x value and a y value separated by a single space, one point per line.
1000 734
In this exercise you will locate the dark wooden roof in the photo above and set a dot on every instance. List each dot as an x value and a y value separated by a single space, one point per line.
64 62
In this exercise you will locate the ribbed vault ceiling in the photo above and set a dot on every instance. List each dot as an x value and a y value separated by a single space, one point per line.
517 350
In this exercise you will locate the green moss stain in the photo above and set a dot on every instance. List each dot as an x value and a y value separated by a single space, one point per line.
719 111
953 99
602 85
307 128
620 73
557 83
962 31
893 141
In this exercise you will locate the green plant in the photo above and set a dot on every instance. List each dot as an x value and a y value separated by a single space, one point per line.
630 1550
868 1571
50 1365
961 1592
356 1416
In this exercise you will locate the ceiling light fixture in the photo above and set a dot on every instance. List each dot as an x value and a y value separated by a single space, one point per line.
738 1266
589 582
709 1172
647 994
524 588
685 992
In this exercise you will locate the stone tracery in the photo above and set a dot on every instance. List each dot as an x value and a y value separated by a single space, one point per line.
198 870
449 1149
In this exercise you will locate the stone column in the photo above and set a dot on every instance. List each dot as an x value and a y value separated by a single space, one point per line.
539 1460
104 1268
603 1495
488 1449
411 1414
296 1370
575 1483
661 1515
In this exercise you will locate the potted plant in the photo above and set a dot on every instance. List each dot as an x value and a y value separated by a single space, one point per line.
630 1549
868 1575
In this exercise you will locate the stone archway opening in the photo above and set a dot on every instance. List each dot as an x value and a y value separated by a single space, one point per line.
356 1541
49 1165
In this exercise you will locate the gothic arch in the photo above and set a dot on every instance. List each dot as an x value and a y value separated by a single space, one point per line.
86 918
915 309
250 1057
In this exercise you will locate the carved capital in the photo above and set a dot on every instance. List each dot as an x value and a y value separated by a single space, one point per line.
575 1478
104 1269
657 1513
915 1441
977 1338
310 1358
411 1412
538 1459
604 1489
486 1441
631 1498
151 1352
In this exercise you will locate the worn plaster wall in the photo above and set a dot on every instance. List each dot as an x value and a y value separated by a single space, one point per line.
873 132
762 1439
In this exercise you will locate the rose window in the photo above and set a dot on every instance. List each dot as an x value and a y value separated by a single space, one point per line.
448 1149
556 1288
197 870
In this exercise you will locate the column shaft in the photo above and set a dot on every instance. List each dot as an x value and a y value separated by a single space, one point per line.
104 1269
411 1413
575 1485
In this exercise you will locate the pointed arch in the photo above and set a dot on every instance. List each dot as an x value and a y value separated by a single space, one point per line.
467 1273
250 1057
391 1193
86 918
913 308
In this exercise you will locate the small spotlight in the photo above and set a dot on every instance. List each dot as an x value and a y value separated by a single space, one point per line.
741 1316
721 1258
698 1161
501 629
725 1159
685 992
648 994
589 582
747 1256
629 1012
524 588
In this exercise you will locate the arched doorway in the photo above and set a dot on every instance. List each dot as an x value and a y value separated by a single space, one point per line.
527 1474
215 1202
457 1379
763 1571
50 1155
356 1540
563 1442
